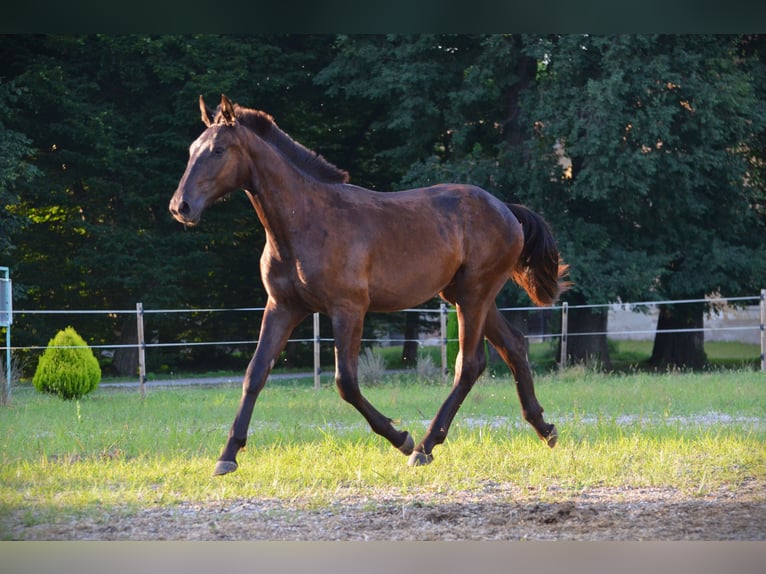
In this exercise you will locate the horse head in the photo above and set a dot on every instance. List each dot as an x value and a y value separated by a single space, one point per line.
215 165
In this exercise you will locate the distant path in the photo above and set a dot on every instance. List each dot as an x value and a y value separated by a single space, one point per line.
221 380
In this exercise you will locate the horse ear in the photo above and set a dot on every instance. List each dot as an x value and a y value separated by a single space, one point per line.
205 112
227 111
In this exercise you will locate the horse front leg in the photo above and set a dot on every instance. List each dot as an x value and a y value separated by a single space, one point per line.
512 347
276 326
347 328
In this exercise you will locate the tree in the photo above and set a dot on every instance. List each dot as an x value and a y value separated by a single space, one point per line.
15 169
108 118
398 90
655 129
630 146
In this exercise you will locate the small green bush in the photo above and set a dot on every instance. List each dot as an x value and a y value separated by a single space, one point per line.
70 372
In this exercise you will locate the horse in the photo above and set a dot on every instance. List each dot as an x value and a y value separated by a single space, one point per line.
342 250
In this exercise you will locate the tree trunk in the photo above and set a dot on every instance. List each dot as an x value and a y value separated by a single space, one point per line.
679 349
125 360
411 335
591 350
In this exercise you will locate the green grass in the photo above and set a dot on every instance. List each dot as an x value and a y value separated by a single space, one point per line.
625 355
633 355
693 432
720 354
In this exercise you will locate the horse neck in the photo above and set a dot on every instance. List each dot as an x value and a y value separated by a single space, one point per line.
278 194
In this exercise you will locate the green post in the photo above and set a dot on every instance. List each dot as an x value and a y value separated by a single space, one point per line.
763 330
444 342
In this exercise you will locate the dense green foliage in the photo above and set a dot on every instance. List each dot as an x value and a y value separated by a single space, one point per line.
645 152
656 202
68 367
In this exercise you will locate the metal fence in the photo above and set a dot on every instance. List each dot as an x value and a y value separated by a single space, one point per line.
753 326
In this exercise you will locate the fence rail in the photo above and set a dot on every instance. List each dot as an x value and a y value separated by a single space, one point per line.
563 333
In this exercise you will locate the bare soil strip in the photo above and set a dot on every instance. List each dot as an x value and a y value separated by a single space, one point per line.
498 512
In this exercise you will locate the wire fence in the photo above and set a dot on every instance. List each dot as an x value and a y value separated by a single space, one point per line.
553 325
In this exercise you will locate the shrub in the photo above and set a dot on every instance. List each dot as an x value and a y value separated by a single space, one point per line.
372 367
427 370
71 371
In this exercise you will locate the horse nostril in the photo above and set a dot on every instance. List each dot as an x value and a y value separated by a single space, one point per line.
184 208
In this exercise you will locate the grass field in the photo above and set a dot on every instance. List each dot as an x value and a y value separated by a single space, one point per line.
626 355
694 432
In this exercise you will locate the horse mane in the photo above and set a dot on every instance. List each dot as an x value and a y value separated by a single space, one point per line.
307 161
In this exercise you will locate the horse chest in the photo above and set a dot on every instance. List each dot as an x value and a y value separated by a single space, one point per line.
292 280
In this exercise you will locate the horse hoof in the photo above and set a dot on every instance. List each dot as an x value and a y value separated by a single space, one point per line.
408 445
224 467
552 438
420 459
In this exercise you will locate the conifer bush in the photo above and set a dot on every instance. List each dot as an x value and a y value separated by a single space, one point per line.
70 372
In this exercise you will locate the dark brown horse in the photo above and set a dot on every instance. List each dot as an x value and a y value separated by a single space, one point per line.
343 250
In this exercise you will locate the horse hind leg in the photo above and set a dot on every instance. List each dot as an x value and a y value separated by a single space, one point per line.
512 347
470 363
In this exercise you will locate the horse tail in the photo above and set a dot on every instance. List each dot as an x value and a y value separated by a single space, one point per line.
539 269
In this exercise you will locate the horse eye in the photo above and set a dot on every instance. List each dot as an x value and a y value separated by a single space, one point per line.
218 151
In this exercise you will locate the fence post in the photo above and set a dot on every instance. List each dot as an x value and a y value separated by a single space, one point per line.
763 330
141 349
6 319
317 366
443 324
564 332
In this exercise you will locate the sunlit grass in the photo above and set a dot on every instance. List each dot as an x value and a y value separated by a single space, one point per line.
695 433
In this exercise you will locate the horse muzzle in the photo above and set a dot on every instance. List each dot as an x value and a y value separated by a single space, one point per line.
183 212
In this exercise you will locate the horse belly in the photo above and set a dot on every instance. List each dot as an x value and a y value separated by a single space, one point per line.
419 256
408 282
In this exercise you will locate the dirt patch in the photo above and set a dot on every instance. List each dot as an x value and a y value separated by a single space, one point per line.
496 512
